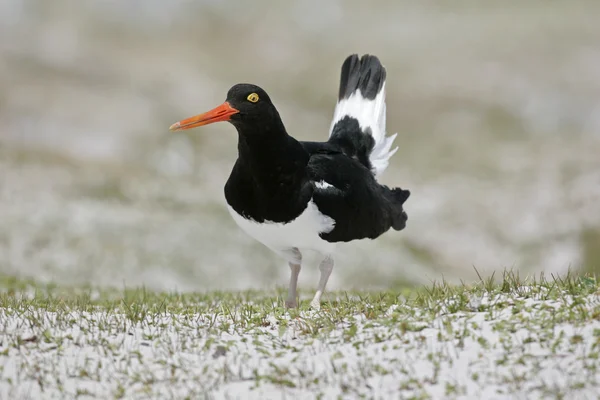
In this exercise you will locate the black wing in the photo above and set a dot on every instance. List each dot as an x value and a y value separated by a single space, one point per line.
347 191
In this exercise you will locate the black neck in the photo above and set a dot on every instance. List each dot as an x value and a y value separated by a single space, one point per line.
267 149
269 180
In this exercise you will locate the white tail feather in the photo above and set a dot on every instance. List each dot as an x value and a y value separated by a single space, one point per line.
371 115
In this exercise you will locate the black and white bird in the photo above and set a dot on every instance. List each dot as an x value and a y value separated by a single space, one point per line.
292 195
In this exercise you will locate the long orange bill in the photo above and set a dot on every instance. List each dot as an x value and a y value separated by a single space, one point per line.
217 114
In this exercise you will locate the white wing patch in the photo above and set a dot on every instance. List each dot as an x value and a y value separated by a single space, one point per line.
370 114
323 185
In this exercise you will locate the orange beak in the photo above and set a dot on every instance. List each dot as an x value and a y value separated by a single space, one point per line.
217 114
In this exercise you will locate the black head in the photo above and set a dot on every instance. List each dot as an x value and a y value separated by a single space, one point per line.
248 107
250 100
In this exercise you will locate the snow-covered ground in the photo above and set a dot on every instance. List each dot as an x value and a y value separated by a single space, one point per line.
519 344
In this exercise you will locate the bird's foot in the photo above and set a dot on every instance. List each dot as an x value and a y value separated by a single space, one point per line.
291 303
315 305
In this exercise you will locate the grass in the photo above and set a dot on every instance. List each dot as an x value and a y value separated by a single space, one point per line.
501 338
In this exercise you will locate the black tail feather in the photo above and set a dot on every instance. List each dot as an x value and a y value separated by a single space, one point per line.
399 217
366 74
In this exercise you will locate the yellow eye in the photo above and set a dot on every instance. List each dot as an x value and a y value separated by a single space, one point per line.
252 97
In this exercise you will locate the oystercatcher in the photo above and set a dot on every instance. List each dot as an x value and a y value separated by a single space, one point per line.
292 195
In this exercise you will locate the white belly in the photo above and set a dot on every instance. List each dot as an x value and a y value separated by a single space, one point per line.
302 233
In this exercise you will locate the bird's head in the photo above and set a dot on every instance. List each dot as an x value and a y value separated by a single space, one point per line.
246 106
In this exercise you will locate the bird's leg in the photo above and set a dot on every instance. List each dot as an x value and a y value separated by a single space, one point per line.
295 265
325 267
292 301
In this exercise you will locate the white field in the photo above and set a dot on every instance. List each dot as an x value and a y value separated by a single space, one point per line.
515 345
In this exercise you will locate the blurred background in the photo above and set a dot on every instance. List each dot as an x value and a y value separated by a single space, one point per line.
497 106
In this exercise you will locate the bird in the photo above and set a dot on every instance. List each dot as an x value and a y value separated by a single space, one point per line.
293 195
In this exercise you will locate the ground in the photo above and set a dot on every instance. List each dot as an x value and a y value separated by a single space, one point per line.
501 339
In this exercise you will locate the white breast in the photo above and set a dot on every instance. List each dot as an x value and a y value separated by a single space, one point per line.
302 233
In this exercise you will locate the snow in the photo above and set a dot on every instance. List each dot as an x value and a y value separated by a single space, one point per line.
516 347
